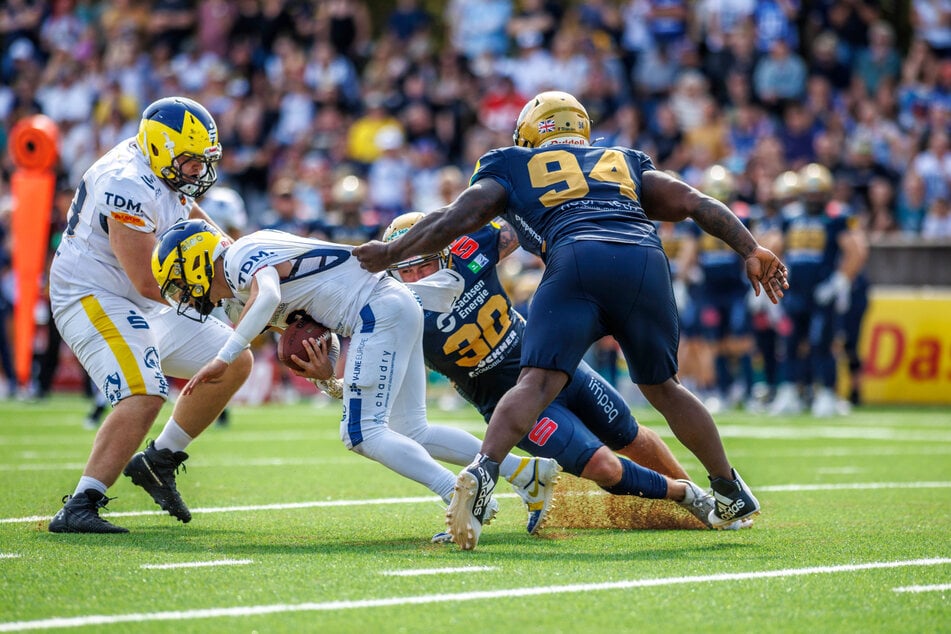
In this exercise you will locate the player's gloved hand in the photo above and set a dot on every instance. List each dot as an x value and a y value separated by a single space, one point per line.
838 289
373 256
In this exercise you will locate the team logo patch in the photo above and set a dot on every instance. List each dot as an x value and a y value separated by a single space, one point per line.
548 125
112 388
478 263
127 219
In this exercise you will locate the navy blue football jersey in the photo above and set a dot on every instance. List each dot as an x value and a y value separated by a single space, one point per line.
723 268
811 249
568 193
476 345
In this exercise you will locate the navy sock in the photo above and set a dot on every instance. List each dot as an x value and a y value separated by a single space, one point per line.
639 481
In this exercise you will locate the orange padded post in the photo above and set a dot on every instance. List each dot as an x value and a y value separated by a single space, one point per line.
33 146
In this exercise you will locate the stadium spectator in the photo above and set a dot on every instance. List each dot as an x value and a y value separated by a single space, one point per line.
879 61
937 222
779 77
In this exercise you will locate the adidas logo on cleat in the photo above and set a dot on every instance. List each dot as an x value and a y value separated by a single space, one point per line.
728 511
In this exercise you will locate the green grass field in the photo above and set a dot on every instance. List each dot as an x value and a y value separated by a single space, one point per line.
292 533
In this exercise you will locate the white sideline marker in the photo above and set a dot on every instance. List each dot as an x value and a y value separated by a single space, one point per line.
938 588
333 606
9 555
436 571
286 506
198 564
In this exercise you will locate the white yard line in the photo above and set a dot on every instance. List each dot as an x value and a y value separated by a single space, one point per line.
9 555
251 462
507 593
436 571
777 488
198 564
829 452
937 588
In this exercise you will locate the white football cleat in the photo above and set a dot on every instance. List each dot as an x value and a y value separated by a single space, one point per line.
534 481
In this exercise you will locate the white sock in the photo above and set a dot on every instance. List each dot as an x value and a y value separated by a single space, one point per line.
457 446
86 483
408 458
173 437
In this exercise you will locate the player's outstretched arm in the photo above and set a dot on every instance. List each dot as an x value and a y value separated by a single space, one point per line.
472 209
667 198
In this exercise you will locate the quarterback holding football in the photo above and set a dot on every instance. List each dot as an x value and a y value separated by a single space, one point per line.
276 277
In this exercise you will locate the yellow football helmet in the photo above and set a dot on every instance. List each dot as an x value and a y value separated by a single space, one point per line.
786 186
400 225
552 117
815 179
718 183
179 139
183 263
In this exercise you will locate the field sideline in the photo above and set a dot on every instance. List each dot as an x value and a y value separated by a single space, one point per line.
293 533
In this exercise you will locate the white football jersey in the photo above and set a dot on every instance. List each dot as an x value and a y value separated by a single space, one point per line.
326 281
121 186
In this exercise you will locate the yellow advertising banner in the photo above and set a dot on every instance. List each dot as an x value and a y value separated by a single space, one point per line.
906 347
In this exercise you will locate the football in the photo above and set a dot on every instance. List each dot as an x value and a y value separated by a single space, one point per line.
292 339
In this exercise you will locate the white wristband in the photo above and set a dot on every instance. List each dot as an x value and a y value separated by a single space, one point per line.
235 345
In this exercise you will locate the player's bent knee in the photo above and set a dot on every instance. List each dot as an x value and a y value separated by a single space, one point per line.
604 468
139 409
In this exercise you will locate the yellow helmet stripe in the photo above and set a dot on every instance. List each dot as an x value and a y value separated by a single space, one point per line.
120 349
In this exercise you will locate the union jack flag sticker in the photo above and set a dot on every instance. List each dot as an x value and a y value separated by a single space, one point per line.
548 125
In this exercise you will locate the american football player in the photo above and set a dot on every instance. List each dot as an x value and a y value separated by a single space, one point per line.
584 211
114 318
276 276
721 300
477 345
822 239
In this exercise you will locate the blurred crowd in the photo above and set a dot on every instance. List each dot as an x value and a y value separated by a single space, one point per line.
337 115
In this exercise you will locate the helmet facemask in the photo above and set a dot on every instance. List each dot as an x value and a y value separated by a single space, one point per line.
178 172
183 264
183 295
400 225
394 270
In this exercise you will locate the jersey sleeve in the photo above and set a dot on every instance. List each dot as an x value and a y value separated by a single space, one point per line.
493 165
642 159
127 203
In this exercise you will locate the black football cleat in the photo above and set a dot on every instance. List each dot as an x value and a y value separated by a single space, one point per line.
154 470
734 502
80 514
